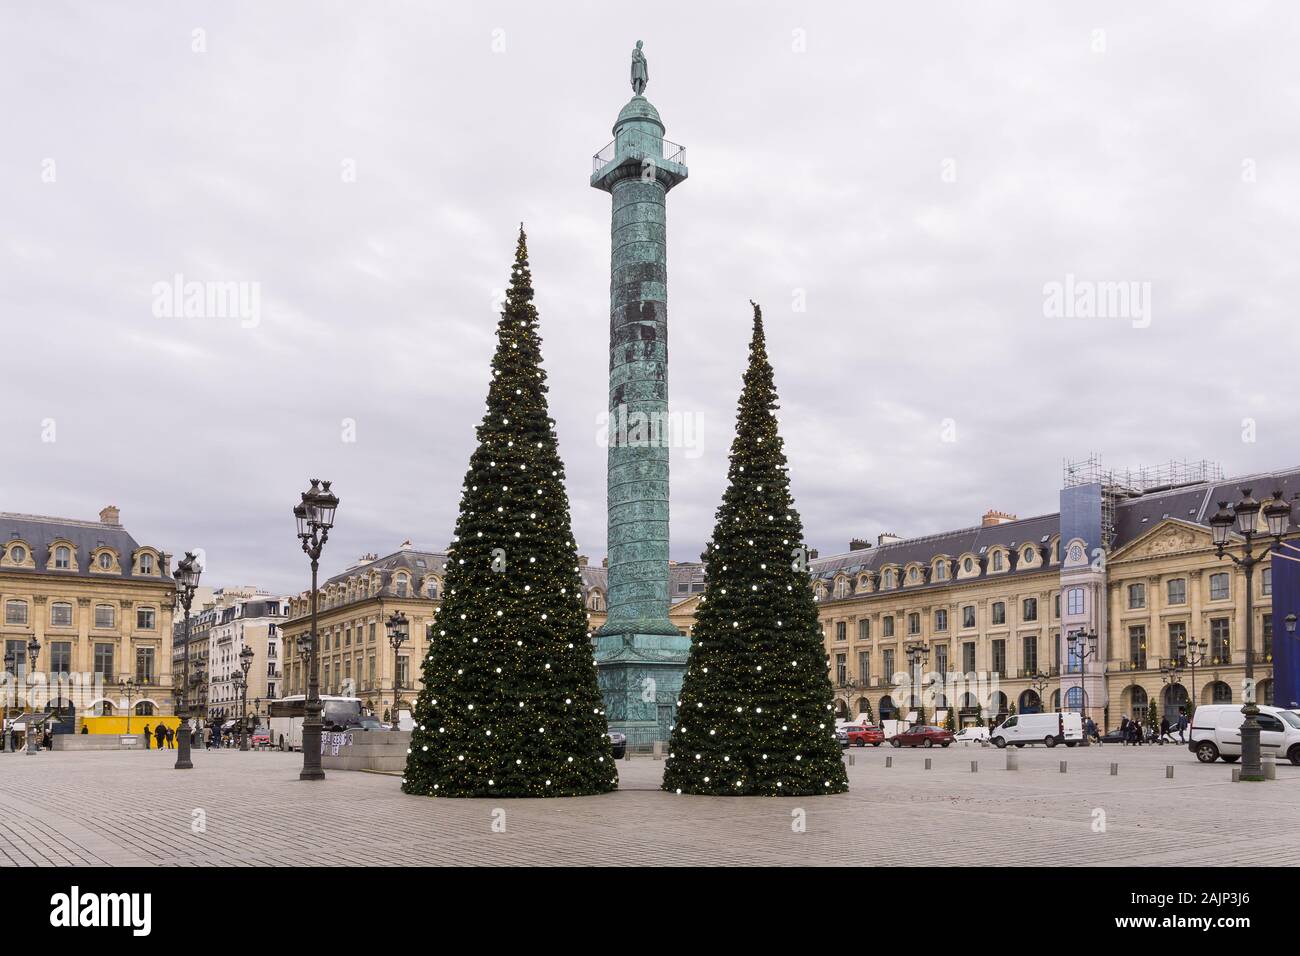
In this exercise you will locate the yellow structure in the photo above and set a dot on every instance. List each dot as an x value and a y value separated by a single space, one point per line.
117 724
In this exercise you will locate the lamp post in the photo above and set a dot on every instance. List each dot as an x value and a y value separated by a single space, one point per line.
245 662
918 655
398 634
1170 675
33 651
1277 516
12 675
127 689
186 576
1039 683
315 517
1192 651
1082 645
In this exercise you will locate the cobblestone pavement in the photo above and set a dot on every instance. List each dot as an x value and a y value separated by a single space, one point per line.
131 808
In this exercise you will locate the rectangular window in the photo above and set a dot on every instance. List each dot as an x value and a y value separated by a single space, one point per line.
889 663
372 670
888 625
1267 630
61 615
968 616
144 619
1219 587
941 620
1075 596
968 657
864 668
372 632
1177 632
841 670
1030 609
1177 590
914 623
864 629
1137 646
1000 657
18 650
104 661
347 638
1266 582
841 631
1137 596
403 679
1029 651
1220 641
60 657
999 612
144 671
104 615
941 659
1056 605
16 613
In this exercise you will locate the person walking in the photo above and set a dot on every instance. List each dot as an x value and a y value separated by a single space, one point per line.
171 739
1165 735
1182 726
160 734
1125 732
148 736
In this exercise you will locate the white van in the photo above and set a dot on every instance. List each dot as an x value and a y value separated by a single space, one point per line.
1216 732
1052 728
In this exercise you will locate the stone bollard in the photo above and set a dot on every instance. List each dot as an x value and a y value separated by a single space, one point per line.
1269 765
927 763
1013 761
1236 775
658 750
850 760
974 766
889 761
1114 770
1062 766
1169 771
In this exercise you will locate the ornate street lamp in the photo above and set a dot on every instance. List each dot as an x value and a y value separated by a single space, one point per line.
11 663
315 517
33 651
397 636
1192 651
127 689
241 684
186 577
1277 517
1082 645
918 655
1039 683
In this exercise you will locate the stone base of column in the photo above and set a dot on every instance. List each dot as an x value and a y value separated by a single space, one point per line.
640 677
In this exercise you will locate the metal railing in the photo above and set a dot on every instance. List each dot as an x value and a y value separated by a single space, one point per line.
639 146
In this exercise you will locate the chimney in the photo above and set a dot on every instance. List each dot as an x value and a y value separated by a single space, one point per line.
110 515
812 554
992 517
604 562
582 560
858 544
887 537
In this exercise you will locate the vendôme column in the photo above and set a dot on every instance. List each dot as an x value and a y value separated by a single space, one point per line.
640 655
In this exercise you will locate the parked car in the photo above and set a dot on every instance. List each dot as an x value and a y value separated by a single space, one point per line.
972 734
1113 737
922 735
261 737
368 722
1051 728
618 743
1216 733
860 735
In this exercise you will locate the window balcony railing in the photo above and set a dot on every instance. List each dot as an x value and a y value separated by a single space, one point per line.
1133 664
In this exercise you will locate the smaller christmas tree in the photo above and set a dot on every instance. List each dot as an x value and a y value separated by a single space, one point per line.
756 713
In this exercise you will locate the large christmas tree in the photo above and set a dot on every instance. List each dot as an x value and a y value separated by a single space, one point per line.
755 713
510 705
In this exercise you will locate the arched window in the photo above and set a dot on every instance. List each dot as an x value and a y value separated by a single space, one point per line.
62 558
60 614
1074 699
431 588
146 564
941 571
144 709
997 560
1220 693
1139 699
402 586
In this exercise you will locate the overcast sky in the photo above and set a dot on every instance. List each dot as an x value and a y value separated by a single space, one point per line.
896 184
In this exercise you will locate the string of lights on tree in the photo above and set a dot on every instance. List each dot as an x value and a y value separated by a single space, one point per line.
510 705
756 715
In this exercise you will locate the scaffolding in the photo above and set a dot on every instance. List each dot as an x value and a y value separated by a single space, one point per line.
1117 485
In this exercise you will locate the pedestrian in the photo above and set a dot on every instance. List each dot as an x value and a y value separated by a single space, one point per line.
85 729
171 739
1125 734
214 737
160 734
1164 730
1138 736
147 735
1182 726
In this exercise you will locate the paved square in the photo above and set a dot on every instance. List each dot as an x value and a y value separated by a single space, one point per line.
124 808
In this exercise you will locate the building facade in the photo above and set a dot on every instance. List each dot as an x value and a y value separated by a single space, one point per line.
249 623
98 603
991 609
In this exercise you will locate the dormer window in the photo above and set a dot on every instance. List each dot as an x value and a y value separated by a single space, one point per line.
1027 555
941 571
146 564
912 575
18 554
62 558
968 565
997 560
105 561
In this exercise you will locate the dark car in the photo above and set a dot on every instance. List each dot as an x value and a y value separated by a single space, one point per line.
618 743
366 722
922 735
1112 737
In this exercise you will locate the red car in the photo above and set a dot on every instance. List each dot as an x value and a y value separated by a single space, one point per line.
860 736
922 735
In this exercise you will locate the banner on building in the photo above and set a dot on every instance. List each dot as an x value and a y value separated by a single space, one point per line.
1286 645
